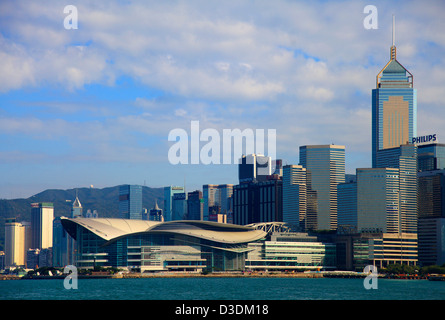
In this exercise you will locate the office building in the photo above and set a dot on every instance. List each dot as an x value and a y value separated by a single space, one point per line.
42 216
217 200
194 205
32 258
403 158
431 156
347 207
130 202
254 167
179 206
209 193
63 245
223 198
14 243
256 202
394 107
168 200
76 210
325 168
378 200
155 214
431 223
294 196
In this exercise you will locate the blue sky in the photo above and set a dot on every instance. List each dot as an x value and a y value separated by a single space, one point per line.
94 105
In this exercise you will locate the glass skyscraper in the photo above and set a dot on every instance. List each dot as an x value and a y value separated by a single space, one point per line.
394 107
294 196
325 167
168 200
130 202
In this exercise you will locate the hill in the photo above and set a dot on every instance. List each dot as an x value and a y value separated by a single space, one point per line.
105 201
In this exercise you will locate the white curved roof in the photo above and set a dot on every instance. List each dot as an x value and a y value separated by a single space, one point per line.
111 229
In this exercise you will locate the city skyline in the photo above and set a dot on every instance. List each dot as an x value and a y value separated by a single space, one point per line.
94 106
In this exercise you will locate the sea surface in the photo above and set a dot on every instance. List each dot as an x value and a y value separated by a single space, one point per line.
222 289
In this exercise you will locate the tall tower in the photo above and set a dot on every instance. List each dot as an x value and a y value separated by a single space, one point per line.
394 106
130 202
294 195
42 216
325 167
14 243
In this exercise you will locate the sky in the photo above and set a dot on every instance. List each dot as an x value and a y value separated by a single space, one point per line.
94 106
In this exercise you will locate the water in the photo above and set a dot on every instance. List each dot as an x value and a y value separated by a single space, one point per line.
222 289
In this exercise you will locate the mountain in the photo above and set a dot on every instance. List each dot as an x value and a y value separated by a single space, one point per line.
105 201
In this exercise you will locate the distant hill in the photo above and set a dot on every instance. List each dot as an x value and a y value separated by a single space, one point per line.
105 201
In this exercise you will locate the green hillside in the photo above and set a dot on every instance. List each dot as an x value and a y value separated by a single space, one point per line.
105 201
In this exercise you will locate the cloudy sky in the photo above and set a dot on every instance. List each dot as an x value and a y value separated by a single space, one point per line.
95 105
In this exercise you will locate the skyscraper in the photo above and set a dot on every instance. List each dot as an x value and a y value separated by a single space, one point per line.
194 205
76 210
209 193
403 158
394 106
130 202
378 200
14 243
325 167
42 216
294 196
254 167
168 200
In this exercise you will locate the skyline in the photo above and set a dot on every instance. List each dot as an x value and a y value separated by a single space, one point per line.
94 106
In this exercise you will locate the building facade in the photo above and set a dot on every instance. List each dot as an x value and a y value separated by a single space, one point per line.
168 200
256 202
130 202
347 207
378 200
14 243
294 196
325 167
42 216
394 107
155 246
194 205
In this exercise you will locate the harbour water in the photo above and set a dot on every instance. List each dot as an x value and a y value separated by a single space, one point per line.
222 289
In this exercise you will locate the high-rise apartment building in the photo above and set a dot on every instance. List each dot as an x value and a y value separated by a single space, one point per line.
325 167
130 202
394 107
42 216
168 200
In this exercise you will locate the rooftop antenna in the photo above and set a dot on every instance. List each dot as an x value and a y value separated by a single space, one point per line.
393 30
393 47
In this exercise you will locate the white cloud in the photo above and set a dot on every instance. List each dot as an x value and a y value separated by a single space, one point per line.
305 69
